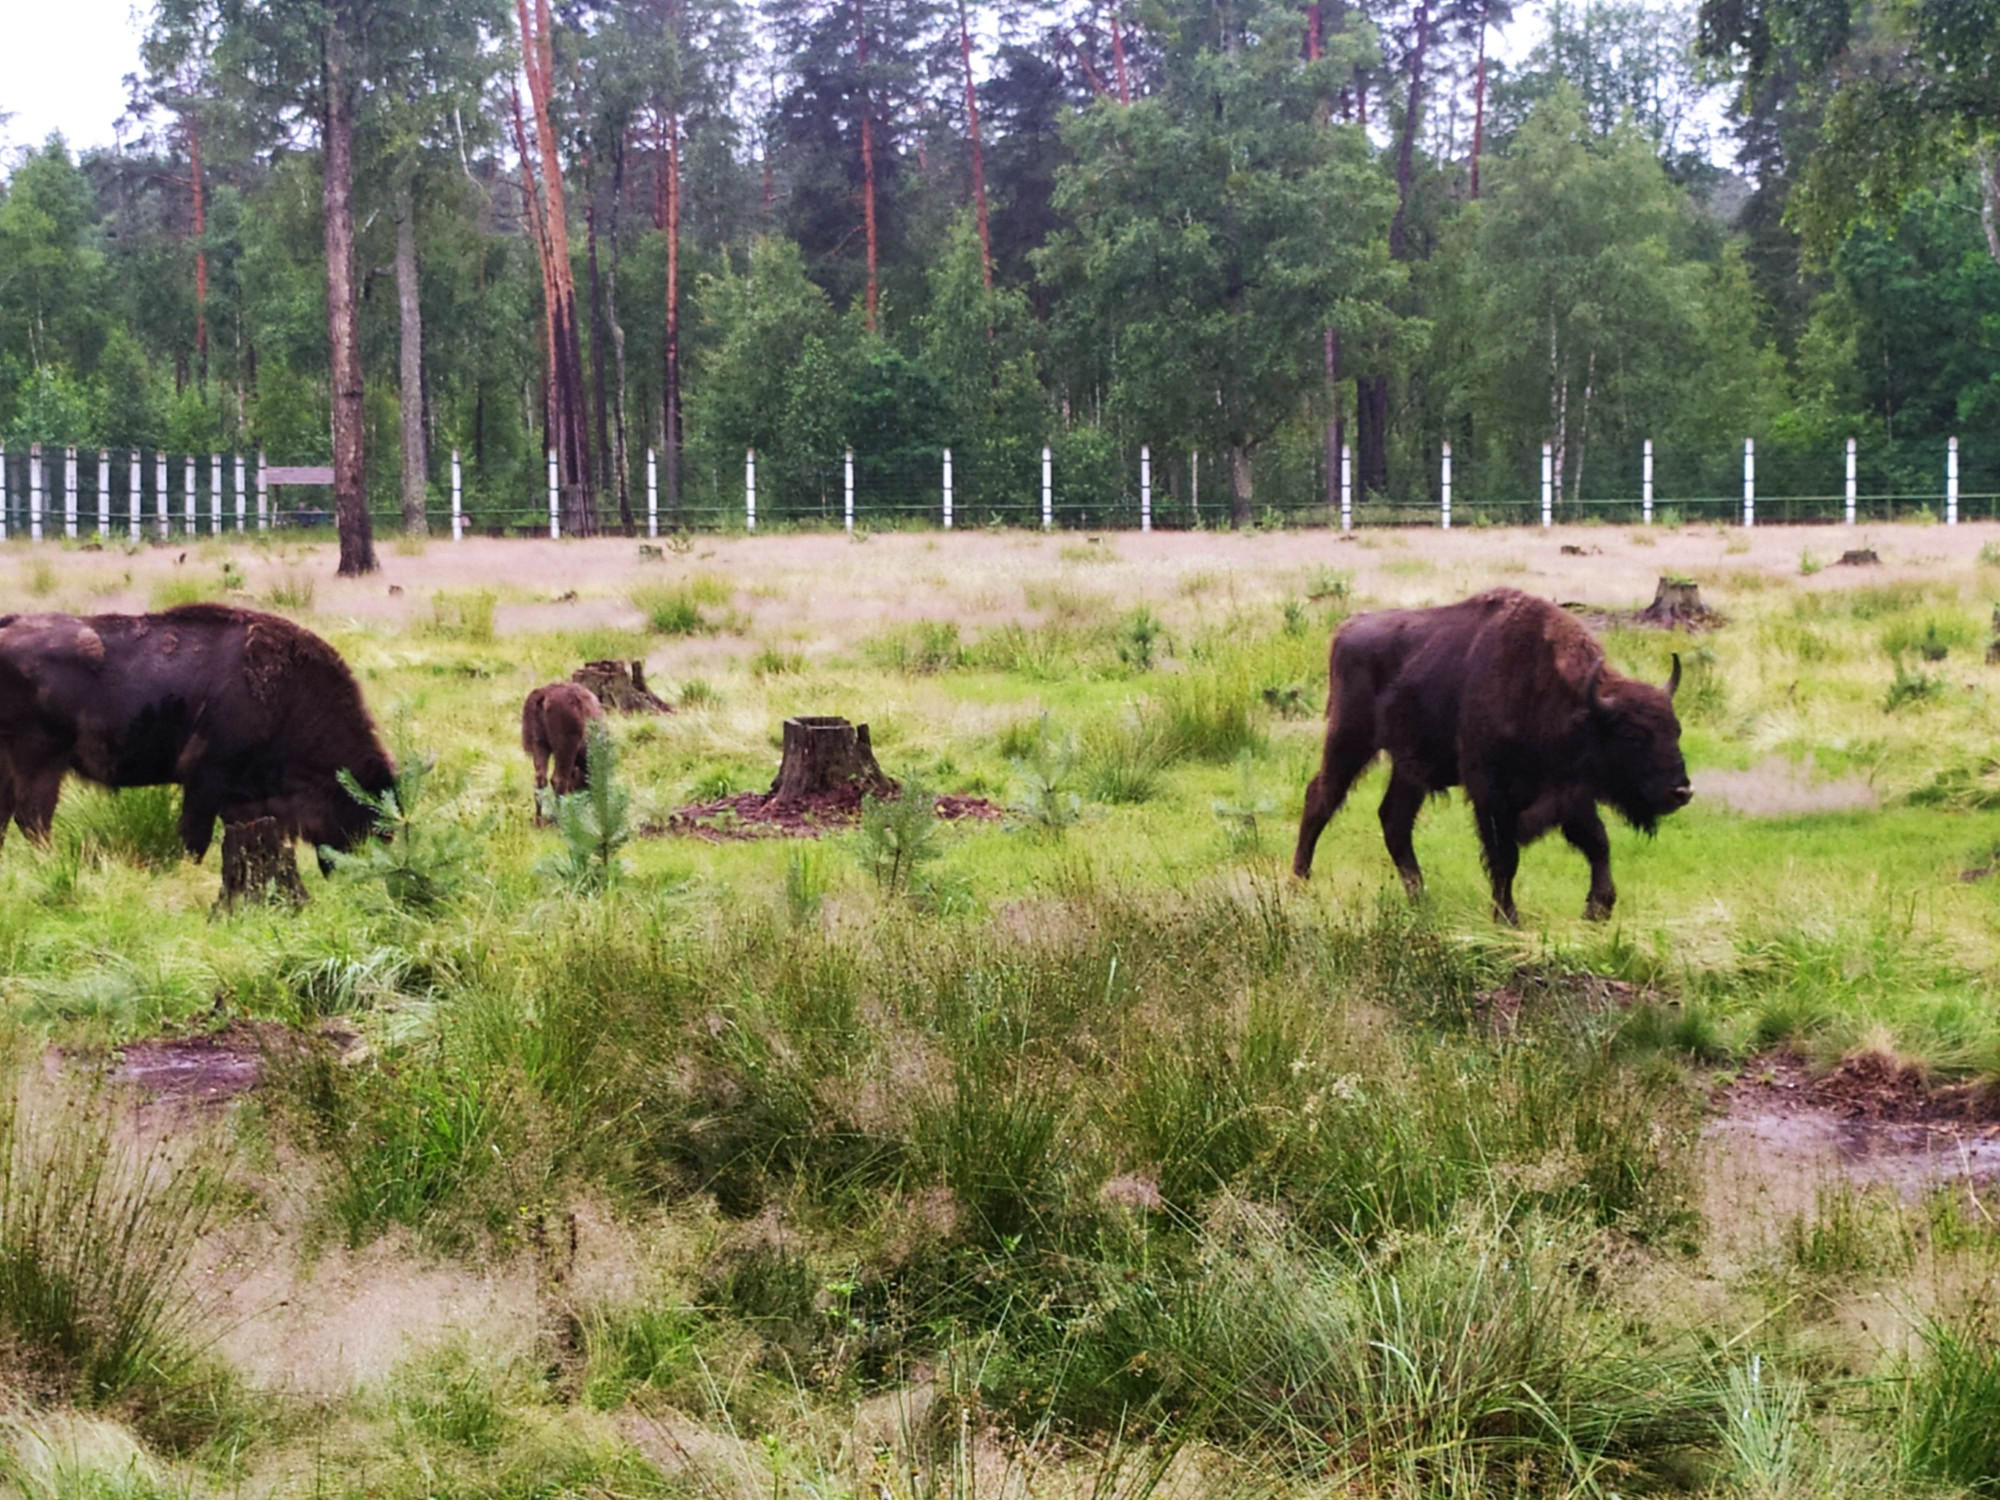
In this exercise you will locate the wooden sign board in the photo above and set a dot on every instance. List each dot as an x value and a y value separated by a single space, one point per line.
299 474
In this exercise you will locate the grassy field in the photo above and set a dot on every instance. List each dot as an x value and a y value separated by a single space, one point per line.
1075 1153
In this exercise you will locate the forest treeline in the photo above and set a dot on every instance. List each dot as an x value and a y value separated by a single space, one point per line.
375 231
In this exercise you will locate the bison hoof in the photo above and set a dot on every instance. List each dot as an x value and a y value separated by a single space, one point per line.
1506 915
1596 911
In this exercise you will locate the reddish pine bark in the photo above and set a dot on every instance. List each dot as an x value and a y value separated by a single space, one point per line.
978 153
1479 104
200 204
672 387
867 163
1118 57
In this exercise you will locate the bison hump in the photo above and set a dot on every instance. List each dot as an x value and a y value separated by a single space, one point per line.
275 650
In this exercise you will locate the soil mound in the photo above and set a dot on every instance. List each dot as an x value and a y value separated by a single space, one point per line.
753 815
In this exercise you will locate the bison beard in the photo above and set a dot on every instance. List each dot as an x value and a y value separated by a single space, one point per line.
555 728
250 715
1510 698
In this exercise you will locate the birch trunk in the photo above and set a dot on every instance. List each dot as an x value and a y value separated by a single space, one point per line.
343 314
410 393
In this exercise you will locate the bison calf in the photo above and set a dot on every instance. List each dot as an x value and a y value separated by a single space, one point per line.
1509 697
555 729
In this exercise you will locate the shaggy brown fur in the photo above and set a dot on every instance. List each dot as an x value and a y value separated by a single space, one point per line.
1509 697
555 728
249 714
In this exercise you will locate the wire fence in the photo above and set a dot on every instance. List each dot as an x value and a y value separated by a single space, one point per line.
49 494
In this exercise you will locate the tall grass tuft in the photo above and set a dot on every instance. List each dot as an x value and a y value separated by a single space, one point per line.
1951 1410
676 608
139 826
95 1246
463 616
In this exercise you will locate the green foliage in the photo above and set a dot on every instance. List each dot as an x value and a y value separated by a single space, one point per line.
1138 637
96 1244
898 838
464 616
1910 686
1047 806
139 826
1951 1413
595 823
421 856
1240 817
674 608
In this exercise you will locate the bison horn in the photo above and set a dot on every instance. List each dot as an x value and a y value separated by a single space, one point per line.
1674 677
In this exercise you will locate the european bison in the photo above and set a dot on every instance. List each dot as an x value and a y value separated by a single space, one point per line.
249 714
555 726
1509 697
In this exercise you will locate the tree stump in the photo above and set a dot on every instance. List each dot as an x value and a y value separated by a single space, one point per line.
620 687
1676 602
827 757
258 865
1858 557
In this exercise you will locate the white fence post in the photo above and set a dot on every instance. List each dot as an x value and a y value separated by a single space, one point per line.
242 499
69 492
1850 481
750 489
1145 487
3 492
1548 484
1444 511
34 492
1646 484
555 515
135 499
1346 488
1951 482
103 493
847 504
947 489
215 494
165 516
1749 481
1048 489
263 493
1194 485
457 499
652 493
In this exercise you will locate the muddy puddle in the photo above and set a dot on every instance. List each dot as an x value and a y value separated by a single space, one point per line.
1870 1122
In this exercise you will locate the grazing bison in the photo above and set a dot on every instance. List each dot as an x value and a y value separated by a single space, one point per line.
555 726
249 714
1510 698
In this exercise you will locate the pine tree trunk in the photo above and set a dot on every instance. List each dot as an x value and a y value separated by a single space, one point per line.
867 162
1407 148
1989 198
620 452
1239 485
600 335
199 193
410 395
1479 107
672 415
258 865
978 156
1371 434
1118 57
343 315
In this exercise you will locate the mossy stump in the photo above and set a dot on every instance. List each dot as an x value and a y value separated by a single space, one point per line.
258 865
620 686
826 756
1676 603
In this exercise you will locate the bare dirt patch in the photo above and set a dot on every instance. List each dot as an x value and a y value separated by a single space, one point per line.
197 1075
1501 1007
1780 788
758 815
1870 1120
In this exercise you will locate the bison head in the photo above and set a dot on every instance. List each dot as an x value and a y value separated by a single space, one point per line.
1639 748
328 817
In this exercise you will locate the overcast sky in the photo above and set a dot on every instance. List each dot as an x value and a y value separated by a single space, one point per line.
63 68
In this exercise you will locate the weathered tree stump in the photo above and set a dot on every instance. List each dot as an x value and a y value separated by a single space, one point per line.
1676 602
826 757
620 687
1858 557
258 865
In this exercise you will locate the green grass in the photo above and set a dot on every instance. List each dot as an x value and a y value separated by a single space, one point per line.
1079 1142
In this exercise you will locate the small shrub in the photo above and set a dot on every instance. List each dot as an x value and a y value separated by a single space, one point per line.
1296 622
1047 806
139 826
1989 555
1808 564
1240 818
1326 586
698 693
232 576
671 609
1138 638
1206 716
1122 763
420 858
452 1395
923 649
898 837
464 616
95 1248
293 591
806 881
181 588
775 661
596 822
1951 1412
1908 687
38 578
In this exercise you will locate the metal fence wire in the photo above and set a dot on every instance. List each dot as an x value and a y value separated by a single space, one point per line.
1082 482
